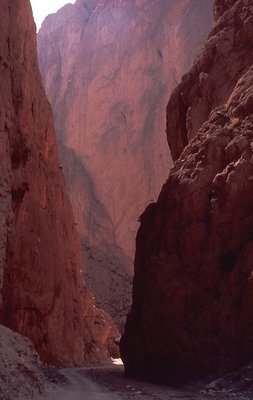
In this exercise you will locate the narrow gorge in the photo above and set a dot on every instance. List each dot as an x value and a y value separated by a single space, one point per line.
128 122
108 68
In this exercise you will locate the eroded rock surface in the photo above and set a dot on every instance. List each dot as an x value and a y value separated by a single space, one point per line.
41 284
193 294
108 68
20 374
210 82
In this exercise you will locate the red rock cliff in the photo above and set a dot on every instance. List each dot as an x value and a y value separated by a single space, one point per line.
108 68
193 294
41 287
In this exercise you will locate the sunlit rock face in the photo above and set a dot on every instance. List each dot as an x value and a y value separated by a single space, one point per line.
193 294
41 284
108 69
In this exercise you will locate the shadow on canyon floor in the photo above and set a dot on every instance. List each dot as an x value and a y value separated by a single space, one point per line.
108 382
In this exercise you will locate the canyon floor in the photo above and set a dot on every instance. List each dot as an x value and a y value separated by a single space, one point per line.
107 382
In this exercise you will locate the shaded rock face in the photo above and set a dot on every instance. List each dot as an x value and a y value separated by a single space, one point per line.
41 286
106 266
108 67
212 79
193 295
20 374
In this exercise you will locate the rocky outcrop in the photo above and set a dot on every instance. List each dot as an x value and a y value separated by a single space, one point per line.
41 284
212 79
108 68
192 297
20 373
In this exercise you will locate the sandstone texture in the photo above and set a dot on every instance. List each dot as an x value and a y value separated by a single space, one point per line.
42 292
20 374
193 295
109 67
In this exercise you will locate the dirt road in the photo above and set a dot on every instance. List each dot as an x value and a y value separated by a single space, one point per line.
107 382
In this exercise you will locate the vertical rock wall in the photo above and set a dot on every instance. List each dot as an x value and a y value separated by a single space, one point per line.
41 285
109 67
192 298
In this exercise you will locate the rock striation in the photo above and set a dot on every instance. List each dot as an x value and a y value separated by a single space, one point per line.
193 296
108 67
41 286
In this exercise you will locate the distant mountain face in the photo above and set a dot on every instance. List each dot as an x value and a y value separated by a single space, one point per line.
42 294
193 290
108 69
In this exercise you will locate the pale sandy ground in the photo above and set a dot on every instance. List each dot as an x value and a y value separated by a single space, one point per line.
107 382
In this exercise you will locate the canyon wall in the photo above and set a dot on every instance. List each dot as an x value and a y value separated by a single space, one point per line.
42 294
193 295
108 67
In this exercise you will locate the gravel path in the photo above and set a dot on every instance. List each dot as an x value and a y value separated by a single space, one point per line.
107 382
